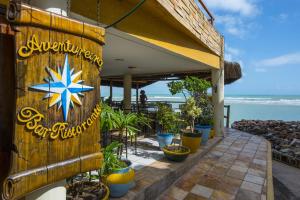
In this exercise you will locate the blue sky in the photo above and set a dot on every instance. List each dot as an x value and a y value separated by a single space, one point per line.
264 37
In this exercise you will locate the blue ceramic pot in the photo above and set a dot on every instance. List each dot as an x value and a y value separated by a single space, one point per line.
205 130
164 139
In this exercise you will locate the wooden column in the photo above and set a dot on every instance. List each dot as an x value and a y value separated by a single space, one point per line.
127 92
137 97
110 92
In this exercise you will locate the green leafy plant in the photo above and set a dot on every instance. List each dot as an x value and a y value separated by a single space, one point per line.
111 119
196 88
129 122
191 86
106 118
190 111
206 106
167 118
111 160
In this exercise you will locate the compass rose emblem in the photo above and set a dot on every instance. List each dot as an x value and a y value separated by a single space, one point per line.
63 88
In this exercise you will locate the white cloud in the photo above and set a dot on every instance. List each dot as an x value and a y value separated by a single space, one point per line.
235 25
232 50
287 59
231 53
243 7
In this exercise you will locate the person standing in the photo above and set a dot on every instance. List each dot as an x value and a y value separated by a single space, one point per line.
143 98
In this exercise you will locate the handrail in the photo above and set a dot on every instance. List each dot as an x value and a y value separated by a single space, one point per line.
212 19
227 116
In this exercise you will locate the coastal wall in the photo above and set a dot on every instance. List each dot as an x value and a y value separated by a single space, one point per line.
283 135
189 14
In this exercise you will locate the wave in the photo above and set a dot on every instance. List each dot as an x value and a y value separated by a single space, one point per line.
263 101
248 98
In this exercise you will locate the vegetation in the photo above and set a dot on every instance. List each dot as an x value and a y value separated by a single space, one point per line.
190 111
206 106
111 119
198 106
111 159
191 86
106 118
167 119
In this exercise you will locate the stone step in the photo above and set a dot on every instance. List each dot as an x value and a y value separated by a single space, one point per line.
154 179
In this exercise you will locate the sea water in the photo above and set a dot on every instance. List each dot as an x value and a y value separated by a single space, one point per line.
263 107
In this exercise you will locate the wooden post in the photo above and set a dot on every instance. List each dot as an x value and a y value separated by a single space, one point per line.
127 92
137 96
228 117
110 92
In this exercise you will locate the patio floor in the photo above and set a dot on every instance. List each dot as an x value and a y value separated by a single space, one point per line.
236 167
148 152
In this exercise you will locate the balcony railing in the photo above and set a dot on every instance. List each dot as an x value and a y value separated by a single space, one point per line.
211 17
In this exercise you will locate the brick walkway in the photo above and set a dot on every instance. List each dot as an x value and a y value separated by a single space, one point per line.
237 168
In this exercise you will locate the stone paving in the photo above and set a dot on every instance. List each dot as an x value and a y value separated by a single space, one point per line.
237 168
148 152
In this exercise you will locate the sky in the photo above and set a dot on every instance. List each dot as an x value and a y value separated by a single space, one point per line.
264 37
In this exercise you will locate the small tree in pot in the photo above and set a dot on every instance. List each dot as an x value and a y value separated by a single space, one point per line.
191 111
197 89
168 121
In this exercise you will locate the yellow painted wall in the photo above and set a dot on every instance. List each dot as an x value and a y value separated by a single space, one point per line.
150 23
4 2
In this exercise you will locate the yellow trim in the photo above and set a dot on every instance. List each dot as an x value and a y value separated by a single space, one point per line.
121 178
176 153
150 23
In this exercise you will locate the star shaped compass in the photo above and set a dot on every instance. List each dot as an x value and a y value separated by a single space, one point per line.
63 88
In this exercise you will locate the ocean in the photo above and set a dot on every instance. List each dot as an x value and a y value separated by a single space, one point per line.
262 107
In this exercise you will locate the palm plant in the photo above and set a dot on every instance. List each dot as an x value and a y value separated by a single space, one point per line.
129 122
107 115
111 160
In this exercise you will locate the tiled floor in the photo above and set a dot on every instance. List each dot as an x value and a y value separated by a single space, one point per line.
147 153
235 169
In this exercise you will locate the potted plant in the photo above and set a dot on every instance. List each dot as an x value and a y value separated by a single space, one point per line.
167 119
107 122
129 122
190 137
87 189
176 153
194 88
205 119
117 173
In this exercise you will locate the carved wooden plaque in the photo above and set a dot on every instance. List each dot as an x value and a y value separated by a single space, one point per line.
56 131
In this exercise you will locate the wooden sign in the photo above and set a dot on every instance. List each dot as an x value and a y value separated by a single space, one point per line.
56 129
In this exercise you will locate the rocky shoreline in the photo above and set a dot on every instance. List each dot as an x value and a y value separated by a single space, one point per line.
283 135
